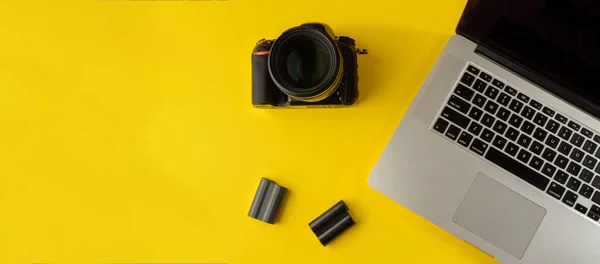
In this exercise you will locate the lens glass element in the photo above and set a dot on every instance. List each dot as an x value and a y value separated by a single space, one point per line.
307 63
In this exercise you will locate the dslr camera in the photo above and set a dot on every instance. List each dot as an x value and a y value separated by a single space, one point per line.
306 67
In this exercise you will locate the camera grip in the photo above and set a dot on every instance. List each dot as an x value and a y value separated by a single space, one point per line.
262 86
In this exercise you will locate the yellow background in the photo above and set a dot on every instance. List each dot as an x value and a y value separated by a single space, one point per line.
127 133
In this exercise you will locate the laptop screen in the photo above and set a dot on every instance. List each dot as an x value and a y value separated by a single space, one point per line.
559 39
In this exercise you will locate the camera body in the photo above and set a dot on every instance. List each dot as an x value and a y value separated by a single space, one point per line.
336 88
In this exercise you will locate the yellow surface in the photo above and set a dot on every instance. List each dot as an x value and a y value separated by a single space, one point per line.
127 133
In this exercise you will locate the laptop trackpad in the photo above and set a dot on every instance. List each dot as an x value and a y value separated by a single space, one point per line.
499 215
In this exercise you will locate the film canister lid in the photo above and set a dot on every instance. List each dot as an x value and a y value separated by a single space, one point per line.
332 223
267 201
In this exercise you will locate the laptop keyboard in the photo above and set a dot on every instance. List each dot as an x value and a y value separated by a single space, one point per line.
524 137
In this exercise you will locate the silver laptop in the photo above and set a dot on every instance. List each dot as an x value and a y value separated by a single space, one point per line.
501 145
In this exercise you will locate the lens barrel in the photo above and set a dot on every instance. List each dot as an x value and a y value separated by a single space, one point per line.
306 64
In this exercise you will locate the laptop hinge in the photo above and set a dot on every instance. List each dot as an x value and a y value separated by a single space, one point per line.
539 79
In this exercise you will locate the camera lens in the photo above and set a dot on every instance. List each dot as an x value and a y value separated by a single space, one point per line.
305 63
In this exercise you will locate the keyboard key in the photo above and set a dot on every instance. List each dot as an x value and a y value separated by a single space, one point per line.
570 198
586 191
473 70
540 134
479 100
574 168
549 155
528 112
586 132
475 128
548 111
512 134
440 125
503 99
465 139
479 146
475 113
485 76
590 147
592 215
459 104
487 135
596 182
540 119
596 197
561 118
499 127
510 90
491 92
586 175
464 92
523 97
455 117
561 161
524 156
589 162
597 167
597 138
565 133
595 209
552 141
467 79
516 106
561 177
491 107
548 170
556 190
515 120
524 141
577 140
511 149
518 169
552 126
580 208
573 184
565 148
577 155
535 104
527 127
488 120
453 132
574 126
499 142
479 85
503 114
498 83
536 147
536 163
